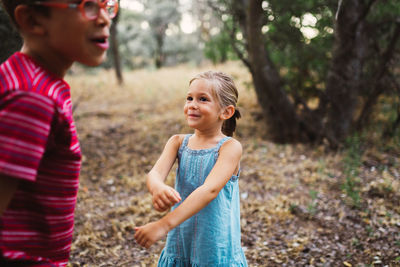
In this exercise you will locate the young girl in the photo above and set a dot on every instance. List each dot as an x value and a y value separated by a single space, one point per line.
204 224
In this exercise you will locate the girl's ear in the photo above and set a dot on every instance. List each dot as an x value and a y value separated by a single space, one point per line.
227 112
28 21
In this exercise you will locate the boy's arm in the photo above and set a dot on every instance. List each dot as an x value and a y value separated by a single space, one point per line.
31 110
8 186
226 165
164 196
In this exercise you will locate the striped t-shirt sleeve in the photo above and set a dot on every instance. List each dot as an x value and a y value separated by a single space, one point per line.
25 123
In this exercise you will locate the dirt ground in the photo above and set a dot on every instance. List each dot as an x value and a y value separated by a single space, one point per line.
294 210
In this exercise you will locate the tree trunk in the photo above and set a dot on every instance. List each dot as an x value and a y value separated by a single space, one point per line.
159 54
345 74
277 108
115 49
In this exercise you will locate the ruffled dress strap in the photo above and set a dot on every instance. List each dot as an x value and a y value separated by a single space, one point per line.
222 141
184 143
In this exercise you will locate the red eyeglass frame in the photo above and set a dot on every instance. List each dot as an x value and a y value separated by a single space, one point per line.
102 5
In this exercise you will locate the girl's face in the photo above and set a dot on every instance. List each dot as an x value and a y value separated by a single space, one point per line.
70 37
202 109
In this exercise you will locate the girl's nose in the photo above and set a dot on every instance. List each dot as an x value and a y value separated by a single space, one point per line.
193 105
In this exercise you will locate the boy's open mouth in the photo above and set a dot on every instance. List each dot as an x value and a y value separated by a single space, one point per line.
100 40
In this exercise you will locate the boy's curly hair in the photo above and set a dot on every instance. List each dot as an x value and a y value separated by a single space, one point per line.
10 5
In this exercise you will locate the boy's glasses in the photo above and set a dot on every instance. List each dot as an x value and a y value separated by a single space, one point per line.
90 9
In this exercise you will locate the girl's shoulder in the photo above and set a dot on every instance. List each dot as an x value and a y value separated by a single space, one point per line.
232 145
176 140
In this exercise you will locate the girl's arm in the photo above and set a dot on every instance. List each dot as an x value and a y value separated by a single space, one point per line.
227 163
164 196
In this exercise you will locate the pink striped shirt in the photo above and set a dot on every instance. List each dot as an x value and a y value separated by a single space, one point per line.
38 146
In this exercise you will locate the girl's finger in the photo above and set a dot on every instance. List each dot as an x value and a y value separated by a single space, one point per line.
137 233
141 241
174 199
148 244
176 193
156 206
161 204
175 196
138 239
165 199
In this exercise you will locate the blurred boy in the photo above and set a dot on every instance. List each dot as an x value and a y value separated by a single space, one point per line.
40 155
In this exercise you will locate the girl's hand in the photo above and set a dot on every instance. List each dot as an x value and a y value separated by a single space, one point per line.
165 197
150 233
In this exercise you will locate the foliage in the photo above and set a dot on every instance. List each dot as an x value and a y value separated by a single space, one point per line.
135 44
161 15
10 39
217 50
312 206
330 63
182 48
304 58
351 165
138 39
382 129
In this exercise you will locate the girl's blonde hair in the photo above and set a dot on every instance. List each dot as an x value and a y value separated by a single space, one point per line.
224 89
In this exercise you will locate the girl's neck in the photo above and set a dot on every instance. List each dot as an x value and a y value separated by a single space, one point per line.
209 133
204 140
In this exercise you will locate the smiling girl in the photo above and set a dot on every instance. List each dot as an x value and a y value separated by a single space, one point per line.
204 224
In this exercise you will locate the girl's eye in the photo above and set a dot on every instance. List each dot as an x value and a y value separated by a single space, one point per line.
189 98
203 99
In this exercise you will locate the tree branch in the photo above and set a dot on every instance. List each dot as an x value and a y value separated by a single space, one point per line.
390 130
366 10
377 89
232 33
237 51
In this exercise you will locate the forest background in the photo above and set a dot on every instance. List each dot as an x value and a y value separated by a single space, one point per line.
320 97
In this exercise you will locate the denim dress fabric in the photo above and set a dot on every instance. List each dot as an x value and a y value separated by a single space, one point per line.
212 236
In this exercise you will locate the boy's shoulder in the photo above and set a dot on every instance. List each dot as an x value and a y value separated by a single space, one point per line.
21 72
34 99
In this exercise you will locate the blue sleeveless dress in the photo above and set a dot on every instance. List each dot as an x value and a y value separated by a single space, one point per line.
212 236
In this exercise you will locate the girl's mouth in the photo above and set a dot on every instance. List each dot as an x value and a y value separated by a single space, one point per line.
193 116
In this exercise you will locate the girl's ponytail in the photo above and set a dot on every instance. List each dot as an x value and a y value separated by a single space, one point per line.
229 126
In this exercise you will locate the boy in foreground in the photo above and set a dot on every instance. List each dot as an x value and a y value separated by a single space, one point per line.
40 156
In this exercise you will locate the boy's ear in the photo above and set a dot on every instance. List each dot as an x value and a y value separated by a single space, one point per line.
228 112
27 20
